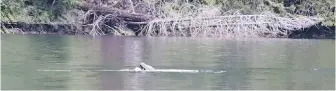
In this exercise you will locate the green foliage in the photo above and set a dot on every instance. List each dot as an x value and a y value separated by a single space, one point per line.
34 11
44 11
9 8
322 8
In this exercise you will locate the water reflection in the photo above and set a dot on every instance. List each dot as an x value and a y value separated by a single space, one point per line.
133 56
112 56
84 56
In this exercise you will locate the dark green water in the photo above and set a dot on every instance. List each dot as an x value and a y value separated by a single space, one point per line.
248 63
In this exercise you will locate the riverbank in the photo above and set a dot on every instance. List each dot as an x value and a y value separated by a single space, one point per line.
61 29
313 32
189 18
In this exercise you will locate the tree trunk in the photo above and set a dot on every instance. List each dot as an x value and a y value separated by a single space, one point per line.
121 14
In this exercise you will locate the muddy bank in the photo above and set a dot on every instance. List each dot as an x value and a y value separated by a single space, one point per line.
313 32
24 28
63 29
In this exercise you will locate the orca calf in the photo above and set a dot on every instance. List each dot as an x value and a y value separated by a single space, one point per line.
144 66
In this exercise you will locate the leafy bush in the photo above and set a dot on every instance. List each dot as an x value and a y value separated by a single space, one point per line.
35 11
45 11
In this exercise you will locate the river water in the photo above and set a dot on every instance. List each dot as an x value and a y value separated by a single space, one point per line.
57 62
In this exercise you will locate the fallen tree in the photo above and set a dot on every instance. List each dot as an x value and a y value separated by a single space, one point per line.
191 18
102 18
122 14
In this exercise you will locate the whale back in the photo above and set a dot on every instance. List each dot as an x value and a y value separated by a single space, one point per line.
146 67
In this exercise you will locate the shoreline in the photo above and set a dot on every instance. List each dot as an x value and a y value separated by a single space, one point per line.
313 32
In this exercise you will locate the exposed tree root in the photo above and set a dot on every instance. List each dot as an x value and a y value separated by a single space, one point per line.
191 19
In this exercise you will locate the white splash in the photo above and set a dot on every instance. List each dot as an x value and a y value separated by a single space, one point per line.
136 69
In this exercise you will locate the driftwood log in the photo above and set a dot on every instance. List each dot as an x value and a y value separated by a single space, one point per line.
121 14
